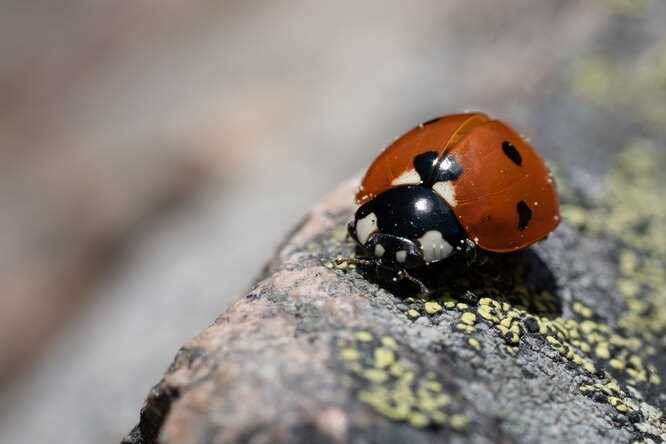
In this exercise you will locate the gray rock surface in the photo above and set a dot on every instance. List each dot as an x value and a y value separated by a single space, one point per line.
539 346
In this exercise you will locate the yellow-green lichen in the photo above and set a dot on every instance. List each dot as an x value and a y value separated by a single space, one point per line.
474 343
468 318
591 78
627 7
395 387
432 307
635 82
413 313
633 214
389 342
458 422
581 309
384 357
364 336
349 354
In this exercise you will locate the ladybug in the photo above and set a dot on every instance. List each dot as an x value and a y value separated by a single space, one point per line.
448 187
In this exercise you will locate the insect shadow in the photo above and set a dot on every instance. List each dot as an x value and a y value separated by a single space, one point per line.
521 279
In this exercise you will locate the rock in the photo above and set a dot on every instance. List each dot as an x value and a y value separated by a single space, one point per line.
560 343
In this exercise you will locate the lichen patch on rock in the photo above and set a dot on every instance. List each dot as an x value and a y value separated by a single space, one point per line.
396 387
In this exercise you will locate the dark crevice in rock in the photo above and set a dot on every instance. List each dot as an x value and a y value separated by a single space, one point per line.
153 414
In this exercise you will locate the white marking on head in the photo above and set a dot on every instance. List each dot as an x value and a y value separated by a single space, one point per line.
446 191
379 250
401 256
434 246
365 227
409 177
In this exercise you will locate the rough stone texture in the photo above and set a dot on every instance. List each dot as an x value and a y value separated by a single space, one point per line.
561 343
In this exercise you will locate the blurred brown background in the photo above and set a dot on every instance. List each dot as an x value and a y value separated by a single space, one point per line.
152 155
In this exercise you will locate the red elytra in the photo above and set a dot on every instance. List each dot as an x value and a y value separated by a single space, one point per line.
505 199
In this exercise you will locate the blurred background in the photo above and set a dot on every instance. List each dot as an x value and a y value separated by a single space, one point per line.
153 155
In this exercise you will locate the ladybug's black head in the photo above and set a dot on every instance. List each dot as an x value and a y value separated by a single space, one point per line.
408 226
389 249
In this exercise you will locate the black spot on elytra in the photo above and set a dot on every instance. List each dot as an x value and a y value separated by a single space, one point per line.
431 121
447 169
524 215
511 152
433 170
424 163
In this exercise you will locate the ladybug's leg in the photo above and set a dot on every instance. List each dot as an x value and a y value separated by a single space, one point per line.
394 251
473 254
391 256
395 255
355 261
390 273
470 251
362 261
384 272
423 289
